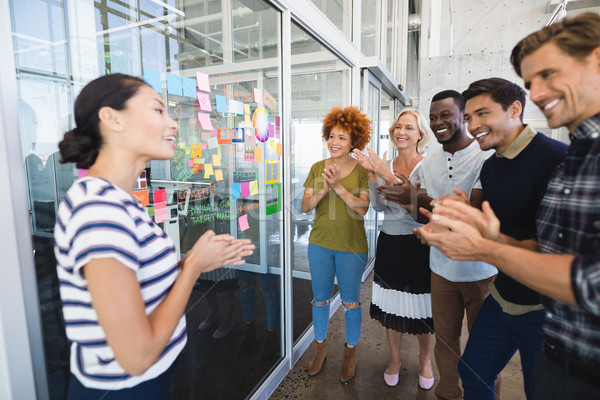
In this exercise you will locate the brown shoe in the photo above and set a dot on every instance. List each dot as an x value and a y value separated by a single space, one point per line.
348 364
316 364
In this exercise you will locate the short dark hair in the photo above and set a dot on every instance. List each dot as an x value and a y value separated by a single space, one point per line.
458 99
500 90
577 37
82 144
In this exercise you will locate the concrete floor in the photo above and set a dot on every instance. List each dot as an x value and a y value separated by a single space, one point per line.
373 356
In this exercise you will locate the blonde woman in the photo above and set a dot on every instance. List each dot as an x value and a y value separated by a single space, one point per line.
401 298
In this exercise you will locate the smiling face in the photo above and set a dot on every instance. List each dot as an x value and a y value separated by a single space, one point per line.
406 132
564 88
339 142
148 131
445 120
490 124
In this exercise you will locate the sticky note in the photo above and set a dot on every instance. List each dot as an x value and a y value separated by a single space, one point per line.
208 169
253 188
258 96
81 172
150 211
236 190
247 119
204 145
196 152
277 121
189 86
257 154
202 81
160 196
190 163
219 174
143 196
213 142
205 121
245 189
181 145
174 85
216 160
272 146
278 152
204 101
243 222
152 78
269 101
221 103
246 108
271 130
214 132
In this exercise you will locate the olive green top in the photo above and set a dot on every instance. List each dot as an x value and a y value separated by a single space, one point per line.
336 226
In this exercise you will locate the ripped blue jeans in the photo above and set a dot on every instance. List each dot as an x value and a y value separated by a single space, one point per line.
348 267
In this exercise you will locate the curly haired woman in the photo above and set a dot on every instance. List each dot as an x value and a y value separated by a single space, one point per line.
338 189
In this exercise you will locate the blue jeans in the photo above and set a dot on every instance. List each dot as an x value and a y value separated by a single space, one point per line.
270 290
325 264
493 340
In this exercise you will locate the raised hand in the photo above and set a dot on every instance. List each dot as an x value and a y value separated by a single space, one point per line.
332 176
484 221
214 251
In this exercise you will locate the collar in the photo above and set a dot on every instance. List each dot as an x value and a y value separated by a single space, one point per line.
519 144
472 146
588 129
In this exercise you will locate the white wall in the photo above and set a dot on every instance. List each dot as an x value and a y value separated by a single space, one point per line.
463 41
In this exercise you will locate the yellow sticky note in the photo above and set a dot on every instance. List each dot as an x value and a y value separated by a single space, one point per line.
219 174
272 147
182 145
253 188
187 152
208 170
278 149
247 119
257 154
246 108
196 152
216 160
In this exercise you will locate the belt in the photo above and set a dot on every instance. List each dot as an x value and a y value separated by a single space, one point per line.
571 365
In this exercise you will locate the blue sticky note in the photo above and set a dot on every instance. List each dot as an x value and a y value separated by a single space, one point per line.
152 78
174 85
236 191
189 87
221 103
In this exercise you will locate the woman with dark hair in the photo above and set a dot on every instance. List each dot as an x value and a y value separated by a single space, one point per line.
338 189
401 297
123 290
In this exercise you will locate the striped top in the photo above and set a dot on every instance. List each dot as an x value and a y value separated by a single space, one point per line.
99 220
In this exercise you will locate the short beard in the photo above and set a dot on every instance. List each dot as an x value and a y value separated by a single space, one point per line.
452 138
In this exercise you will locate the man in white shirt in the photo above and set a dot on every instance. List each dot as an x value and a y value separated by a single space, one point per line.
456 286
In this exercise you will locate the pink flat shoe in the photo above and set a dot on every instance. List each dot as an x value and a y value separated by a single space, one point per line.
425 383
392 380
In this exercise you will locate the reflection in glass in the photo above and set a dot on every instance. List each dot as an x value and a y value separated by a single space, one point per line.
339 12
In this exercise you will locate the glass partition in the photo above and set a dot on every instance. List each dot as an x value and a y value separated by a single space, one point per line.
339 12
320 81
217 65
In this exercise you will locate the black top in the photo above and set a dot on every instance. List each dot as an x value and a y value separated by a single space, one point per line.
514 189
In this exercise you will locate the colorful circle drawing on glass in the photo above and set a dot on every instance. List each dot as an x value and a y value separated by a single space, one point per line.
260 121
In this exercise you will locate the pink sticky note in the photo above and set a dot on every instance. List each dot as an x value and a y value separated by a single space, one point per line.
214 132
245 186
271 130
205 121
277 121
190 163
258 96
81 172
202 80
160 196
204 145
204 100
243 222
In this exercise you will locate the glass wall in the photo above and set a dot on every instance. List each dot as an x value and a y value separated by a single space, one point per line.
339 12
217 65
